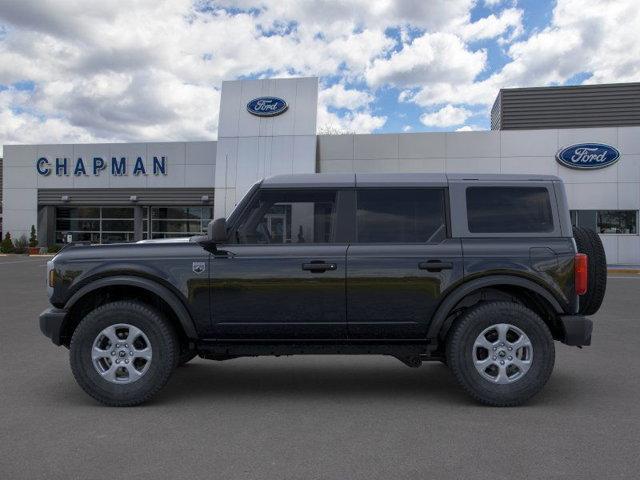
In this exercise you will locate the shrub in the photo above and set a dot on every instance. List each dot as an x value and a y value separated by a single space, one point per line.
7 244
33 239
20 245
53 249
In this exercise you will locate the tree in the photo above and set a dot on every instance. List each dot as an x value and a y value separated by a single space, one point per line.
33 239
333 129
7 244
20 244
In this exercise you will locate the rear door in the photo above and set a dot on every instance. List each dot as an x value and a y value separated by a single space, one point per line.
400 263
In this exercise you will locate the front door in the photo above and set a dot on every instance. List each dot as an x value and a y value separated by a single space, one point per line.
400 264
282 276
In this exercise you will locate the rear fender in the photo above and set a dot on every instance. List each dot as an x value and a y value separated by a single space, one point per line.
440 317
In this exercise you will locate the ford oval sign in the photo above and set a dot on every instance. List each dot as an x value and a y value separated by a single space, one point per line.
267 106
588 156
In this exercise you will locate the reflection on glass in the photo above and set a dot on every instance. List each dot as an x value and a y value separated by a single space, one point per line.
289 217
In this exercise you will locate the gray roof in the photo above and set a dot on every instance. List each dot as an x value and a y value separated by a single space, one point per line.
325 180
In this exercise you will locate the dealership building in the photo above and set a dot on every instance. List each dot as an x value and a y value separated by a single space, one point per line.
587 135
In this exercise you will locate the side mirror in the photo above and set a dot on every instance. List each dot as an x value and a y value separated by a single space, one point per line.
217 230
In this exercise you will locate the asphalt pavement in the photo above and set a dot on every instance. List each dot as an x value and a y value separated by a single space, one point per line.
316 417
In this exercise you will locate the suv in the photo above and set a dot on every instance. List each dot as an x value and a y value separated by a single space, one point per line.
480 272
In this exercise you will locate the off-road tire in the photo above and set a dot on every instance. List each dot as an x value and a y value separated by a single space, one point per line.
589 243
164 347
460 345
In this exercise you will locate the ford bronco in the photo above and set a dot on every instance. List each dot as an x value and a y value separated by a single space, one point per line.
480 272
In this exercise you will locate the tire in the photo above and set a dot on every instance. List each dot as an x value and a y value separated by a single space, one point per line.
589 243
117 322
462 352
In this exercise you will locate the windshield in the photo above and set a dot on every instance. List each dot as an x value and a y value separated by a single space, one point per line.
240 206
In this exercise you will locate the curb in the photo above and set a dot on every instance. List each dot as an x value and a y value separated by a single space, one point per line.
623 271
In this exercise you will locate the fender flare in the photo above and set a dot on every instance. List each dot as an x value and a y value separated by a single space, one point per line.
151 286
452 299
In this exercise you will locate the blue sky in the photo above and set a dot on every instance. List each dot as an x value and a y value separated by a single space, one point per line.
77 71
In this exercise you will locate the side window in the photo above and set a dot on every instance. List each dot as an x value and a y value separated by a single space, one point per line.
401 215
509 210
289 216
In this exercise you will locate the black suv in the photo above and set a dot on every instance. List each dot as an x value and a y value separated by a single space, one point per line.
481 272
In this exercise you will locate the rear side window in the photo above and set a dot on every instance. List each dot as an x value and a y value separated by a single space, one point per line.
401 215
509 210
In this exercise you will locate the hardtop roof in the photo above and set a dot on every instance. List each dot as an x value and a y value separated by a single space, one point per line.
345 180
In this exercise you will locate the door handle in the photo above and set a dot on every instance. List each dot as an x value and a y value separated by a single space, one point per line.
435 266
319 267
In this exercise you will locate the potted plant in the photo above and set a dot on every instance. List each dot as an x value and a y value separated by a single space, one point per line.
33 242
7 244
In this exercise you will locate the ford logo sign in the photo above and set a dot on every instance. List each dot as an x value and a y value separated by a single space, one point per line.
267 106
588 156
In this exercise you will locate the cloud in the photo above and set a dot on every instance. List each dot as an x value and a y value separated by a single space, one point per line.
586 36
338 96
447 116
469 128
152 70
432 57
509 20
351 122
492 3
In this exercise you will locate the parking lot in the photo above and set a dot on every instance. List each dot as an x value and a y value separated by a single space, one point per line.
316 417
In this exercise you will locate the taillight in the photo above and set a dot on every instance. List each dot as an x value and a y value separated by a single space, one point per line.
581 270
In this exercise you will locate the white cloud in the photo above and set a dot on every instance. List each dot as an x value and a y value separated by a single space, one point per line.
469 128
509 20
338 96
447 116
407 128
432 57
152 70
590 36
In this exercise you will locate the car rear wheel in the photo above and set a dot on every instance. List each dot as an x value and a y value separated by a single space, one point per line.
123 353
501 353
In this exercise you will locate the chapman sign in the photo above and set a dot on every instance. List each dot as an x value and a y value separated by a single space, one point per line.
588 156
96 165
267 106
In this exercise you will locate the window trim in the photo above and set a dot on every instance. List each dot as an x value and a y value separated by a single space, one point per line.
445 206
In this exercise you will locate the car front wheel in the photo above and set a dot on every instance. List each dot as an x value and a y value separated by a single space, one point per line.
123 353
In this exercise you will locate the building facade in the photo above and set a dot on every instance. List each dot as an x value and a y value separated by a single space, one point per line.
125 192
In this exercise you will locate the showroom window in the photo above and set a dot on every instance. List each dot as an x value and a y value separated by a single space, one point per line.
607 221
401 215
94 224
278 216
509 210
172 222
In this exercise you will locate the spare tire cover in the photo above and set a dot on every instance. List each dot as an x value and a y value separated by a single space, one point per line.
589 243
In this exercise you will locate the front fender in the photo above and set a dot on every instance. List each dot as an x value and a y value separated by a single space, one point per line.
154 287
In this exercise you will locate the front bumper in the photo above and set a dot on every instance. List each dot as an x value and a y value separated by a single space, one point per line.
51 322
577 330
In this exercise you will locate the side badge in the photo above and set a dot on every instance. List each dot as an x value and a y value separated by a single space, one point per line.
199 267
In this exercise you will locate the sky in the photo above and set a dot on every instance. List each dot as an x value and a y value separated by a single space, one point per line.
76 71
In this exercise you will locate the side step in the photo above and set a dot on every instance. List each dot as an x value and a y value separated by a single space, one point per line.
411 354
